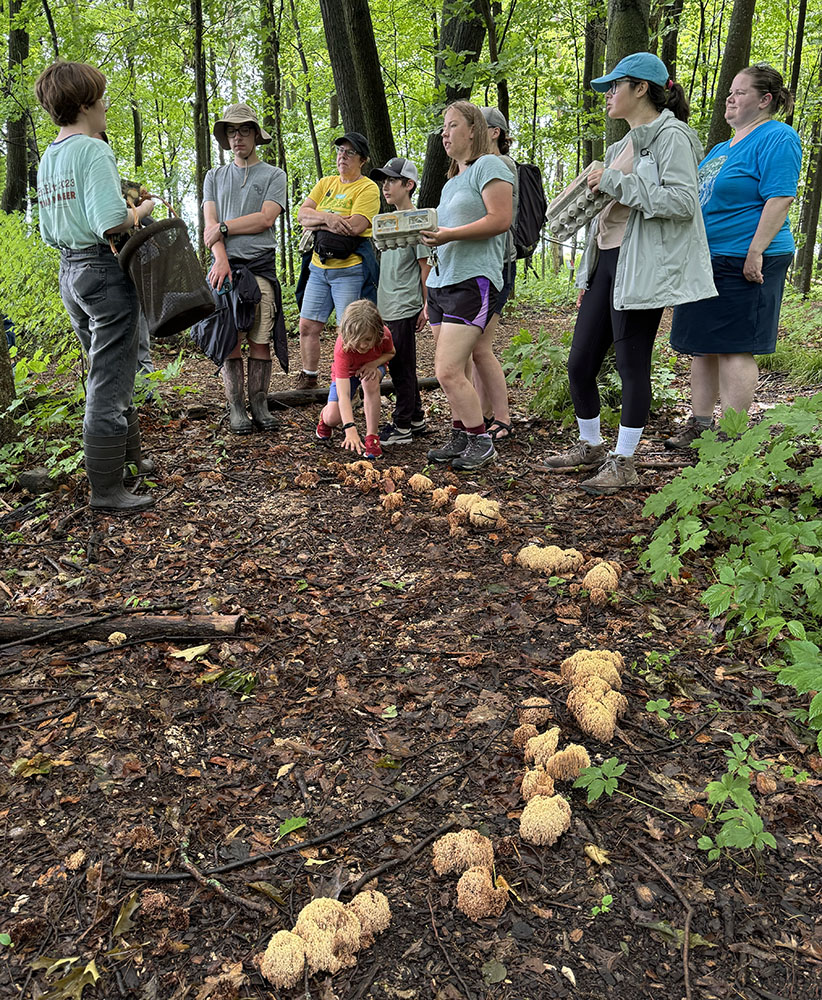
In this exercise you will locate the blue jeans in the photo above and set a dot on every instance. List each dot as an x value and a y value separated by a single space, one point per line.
331 288
103 308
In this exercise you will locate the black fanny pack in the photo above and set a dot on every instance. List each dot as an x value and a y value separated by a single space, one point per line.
333 246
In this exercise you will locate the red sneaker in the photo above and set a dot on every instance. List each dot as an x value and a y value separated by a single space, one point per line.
324 432
373 448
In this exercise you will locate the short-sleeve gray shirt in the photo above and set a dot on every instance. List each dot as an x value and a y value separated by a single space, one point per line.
236 193
461 203
399 293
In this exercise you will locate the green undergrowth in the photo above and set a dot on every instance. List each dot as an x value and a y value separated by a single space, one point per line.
540 362
798 354
750 509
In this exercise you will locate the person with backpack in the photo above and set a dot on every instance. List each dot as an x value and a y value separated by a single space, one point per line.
474 216
646 249
489 379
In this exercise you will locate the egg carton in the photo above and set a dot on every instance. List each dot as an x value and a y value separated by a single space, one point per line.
402 229
574 207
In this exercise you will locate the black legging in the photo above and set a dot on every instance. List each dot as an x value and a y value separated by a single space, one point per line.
631 331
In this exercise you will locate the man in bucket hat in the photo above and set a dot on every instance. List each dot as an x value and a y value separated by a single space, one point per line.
241 202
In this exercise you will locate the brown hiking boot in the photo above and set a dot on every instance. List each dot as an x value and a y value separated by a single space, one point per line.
305 381
616 473
691 430
582 456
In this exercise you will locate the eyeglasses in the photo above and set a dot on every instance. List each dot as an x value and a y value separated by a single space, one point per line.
613 88
346 154
242 130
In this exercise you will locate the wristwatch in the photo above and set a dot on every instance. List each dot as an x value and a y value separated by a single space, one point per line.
224 229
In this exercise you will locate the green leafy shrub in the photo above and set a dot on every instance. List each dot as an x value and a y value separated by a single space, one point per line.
755 499
541 363
798 353
29 283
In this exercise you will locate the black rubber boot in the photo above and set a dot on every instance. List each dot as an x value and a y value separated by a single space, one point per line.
134 451
259 379
105 457
238 421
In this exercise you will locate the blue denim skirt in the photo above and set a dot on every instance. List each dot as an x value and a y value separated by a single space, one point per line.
744 318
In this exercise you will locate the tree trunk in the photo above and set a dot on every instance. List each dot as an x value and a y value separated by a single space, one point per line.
14 193
202 137
669 30
627 33
309 114
797 53
464 34
737 54
803 265
307 397
273 110
349 34
341 54
593 67
52 30
8 427
489 14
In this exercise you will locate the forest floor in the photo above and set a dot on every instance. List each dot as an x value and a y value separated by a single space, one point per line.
378 667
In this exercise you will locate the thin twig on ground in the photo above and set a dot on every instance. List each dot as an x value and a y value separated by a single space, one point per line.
686 934
301 845
366 878
218 887
444 951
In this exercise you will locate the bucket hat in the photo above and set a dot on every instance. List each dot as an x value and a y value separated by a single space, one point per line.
238 114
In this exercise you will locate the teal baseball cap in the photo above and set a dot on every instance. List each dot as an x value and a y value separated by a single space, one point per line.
640 65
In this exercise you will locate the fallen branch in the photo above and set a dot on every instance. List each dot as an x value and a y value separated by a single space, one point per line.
365 879
301 845
29 630
686 934
304 397
218 887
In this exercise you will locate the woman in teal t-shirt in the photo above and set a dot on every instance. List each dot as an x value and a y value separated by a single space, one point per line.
474 216
746 186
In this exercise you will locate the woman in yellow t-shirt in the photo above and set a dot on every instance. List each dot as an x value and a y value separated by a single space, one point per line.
338 211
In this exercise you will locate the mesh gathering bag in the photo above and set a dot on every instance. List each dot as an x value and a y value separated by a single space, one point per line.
171 287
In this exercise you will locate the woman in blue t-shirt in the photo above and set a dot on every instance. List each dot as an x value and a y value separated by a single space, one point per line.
746 186
474 216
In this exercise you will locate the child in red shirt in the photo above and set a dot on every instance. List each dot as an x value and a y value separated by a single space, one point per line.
363 348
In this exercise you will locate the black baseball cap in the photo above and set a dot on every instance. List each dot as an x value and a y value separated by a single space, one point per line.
357 140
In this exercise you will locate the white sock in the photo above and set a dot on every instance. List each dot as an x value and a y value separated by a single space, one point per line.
589 430
627 440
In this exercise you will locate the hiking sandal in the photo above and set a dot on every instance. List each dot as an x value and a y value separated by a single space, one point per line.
499 431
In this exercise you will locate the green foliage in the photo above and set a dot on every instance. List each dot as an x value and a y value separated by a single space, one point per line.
798 353
604 905
601 780
742 826
541 363
29 284
48 412
752 497
659 708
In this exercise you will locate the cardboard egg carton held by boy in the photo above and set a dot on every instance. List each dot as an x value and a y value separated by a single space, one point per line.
574 207
402 229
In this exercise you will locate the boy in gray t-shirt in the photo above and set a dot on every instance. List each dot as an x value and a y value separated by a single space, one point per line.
401 298
241 202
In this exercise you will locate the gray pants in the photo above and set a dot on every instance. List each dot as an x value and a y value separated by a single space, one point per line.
144 362
102 305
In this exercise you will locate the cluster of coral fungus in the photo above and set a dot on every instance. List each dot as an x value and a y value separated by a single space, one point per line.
595 698
546 815
326 937
601 578
471 856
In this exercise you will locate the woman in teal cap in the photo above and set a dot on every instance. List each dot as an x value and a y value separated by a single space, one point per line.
645 250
